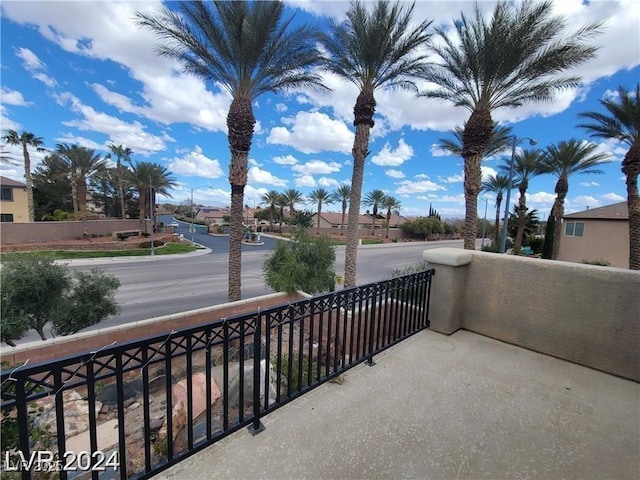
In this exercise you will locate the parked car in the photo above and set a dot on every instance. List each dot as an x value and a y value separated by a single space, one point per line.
174 224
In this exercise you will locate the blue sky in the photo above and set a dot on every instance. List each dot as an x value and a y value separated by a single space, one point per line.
84 73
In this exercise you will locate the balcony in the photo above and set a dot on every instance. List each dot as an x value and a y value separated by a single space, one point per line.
434 406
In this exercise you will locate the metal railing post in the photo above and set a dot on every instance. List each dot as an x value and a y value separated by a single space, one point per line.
256 427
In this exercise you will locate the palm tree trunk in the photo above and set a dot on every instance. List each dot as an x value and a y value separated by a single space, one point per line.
522 218
631 168
74 193
121 191
319 212
363 113
240 123
388 221
562 187
81 189
475 138
28 182
496 234
373 224
344 210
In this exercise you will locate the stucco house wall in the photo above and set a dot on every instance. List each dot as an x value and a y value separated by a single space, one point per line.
16 205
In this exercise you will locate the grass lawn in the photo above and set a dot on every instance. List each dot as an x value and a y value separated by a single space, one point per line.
170 248
365 241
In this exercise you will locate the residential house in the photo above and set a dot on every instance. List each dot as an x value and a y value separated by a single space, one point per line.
334 220
13 201
217 215
597 233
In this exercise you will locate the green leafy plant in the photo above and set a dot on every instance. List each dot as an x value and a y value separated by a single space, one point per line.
602 262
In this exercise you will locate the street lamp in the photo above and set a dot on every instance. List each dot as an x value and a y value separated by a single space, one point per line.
516 141
151 215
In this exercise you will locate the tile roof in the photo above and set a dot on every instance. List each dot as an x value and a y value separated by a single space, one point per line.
617 211
7 182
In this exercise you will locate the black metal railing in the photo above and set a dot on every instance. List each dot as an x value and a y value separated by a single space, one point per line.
132 410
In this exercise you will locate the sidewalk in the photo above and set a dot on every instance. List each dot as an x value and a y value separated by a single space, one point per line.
82 262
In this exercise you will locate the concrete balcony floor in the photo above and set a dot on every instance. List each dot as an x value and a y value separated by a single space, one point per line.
438 407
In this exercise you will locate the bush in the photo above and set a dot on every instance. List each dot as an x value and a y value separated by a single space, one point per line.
36 291
491 248
602 262
304 263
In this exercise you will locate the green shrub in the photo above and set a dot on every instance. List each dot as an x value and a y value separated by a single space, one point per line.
491 248
602 262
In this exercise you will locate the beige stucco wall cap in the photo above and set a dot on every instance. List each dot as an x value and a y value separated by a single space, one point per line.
453 257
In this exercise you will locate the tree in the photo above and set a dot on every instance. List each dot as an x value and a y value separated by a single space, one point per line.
342 194
281 203
547 248
373 50
526 165
304 264
516 56
496 184
392 205
144 175
374 200
499 141
26 140
320 196
532 222
121 153
51 187
36 291
292 196
270 200
249 49
302 219
622 122
82 163
563 160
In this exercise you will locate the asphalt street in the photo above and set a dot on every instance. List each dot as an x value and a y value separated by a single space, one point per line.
162 285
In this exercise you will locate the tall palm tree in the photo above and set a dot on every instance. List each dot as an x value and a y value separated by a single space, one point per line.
26 140
392 204
499 141
270 200
622 122
281 203
249 49
526 165
320 196
496 184
82 163
372 49
516 56
292 197
563 160
121 153
374 199
149 177
342 194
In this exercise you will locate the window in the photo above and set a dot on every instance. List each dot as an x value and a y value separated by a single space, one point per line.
7 194
6 217
574 229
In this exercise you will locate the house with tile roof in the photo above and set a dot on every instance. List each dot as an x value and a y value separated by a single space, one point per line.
597 234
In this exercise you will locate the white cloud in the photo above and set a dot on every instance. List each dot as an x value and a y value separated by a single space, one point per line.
589 184
486 172
81 141
32 63
422 186
6 122
305 181
257 175
281 107
612 197
285 160
196 164
316 167
394 173
452 198
421 176
313 132
541 198
328 182
581 202
389 157
436 151
13 97
454 178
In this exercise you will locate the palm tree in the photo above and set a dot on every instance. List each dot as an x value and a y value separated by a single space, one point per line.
374 200
270 199
150 177
342 194
499 141
320 196
512 58
392 204
82 163
292 196
526 165
281 203
496 184
26 140
121 153
373 50
622 122
249 49
563 160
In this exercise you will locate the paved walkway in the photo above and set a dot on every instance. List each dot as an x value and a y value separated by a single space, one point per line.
438 407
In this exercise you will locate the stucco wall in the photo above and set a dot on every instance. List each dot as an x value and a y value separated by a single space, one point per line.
18 206
582 313
602 239
11 233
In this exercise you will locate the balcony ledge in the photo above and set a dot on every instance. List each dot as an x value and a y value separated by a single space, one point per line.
434 406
